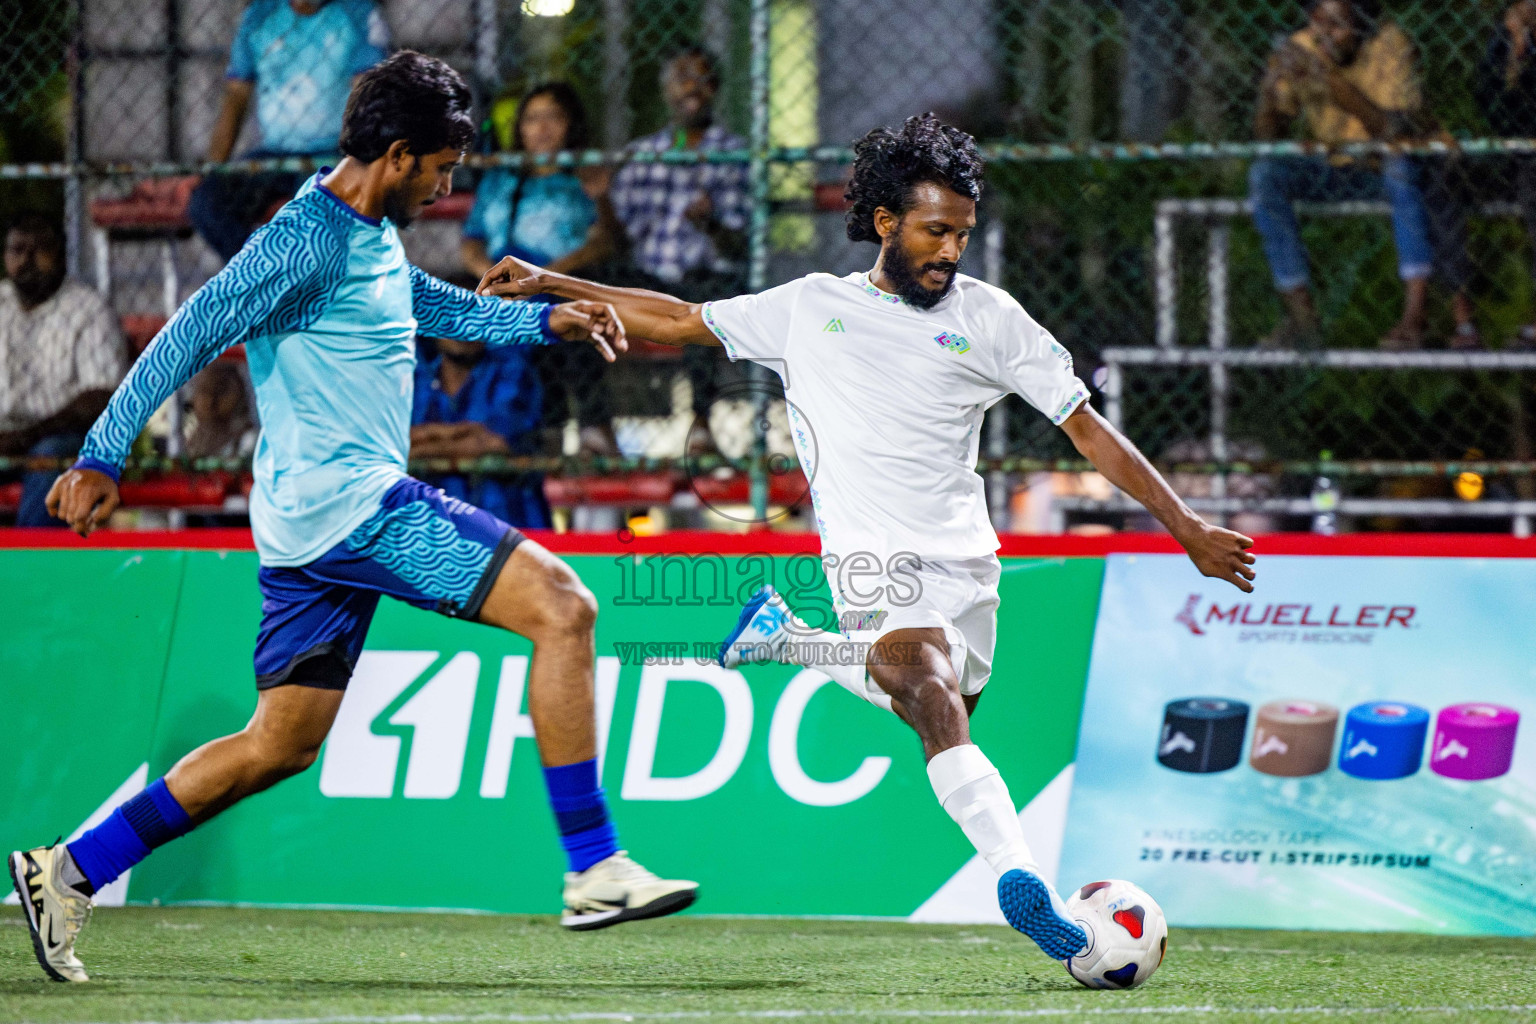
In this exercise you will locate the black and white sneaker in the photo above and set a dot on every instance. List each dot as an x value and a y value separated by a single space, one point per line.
616 890
55 911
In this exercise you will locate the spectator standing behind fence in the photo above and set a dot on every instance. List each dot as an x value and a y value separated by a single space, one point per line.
223 422
1505 88
686 223
470 401
1348 76
557 219
297 59
61 354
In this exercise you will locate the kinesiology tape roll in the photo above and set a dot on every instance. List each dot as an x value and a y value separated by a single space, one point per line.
1383 740
1293 737
1202 734
1474 741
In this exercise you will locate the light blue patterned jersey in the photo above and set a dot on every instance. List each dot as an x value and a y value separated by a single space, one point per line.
328 309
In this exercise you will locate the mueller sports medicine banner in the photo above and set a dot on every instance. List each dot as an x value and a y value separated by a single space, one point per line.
1346 748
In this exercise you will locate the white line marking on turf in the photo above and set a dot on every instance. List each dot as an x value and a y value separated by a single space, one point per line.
791 1014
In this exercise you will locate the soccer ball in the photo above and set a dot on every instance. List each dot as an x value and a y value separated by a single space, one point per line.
1127 934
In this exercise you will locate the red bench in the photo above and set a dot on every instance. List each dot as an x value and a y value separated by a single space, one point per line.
208 491
187 491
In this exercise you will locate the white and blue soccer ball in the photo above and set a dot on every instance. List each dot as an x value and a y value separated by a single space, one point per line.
1127 934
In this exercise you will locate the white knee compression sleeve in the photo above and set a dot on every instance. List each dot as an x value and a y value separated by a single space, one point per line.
973 793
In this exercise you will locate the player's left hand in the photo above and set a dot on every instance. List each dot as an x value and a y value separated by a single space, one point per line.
591 321
512 278
1221 554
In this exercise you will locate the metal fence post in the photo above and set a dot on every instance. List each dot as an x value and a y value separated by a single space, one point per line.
615 73
1220 246
757 246
74 186
996 424
487 43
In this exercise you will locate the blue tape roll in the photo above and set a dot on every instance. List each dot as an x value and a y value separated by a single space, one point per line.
1383 739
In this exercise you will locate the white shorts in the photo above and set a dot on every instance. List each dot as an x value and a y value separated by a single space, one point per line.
959 597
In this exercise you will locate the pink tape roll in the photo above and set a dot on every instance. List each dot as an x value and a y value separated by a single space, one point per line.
1474 741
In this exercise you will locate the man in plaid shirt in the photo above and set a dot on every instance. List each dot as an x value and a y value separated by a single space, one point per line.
687 222
61 354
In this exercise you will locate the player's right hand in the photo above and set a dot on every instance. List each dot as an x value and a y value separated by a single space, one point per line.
596 322
84 499
1221 554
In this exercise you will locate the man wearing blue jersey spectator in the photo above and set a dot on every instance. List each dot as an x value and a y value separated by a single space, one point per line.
328 308
297 59
473 400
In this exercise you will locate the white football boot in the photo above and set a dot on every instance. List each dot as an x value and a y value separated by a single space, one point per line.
616 890
760 634
55 911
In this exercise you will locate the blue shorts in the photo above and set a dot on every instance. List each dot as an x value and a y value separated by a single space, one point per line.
421 547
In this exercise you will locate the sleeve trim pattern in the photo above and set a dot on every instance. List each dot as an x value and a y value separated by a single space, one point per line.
96 465
1070 406
550 337
719 332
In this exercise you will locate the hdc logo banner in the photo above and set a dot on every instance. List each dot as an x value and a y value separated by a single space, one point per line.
776 790
363 760
1341 749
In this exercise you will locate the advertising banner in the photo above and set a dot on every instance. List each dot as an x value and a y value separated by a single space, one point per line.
775 789
1341 749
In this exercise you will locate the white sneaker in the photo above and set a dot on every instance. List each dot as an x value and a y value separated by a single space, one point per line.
616 890
762 630
55 912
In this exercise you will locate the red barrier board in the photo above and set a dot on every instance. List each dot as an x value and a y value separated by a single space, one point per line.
1403 545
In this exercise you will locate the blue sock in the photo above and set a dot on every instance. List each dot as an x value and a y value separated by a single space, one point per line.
581 813
151 819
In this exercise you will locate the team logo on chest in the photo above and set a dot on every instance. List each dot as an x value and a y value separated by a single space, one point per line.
834 326
956 343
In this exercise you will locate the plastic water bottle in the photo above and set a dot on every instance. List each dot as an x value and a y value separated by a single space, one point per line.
1325 506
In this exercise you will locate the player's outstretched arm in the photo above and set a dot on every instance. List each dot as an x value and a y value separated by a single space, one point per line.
646 314
1218 553
279 282
446 311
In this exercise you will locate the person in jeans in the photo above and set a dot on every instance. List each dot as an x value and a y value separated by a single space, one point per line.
297 60
61 354
559 219
1505 89
1347 77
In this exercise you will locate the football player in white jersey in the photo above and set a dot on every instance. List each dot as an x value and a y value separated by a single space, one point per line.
886 378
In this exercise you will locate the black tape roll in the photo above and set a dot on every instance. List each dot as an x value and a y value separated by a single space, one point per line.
1202 734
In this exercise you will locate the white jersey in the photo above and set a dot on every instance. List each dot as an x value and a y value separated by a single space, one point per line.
886 400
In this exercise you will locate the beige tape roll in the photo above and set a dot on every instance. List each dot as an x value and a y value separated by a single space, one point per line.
1293 737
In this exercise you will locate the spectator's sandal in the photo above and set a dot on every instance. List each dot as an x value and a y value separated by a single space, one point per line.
1401 339
1466 338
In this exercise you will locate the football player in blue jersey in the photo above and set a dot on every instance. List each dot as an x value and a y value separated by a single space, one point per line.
327 307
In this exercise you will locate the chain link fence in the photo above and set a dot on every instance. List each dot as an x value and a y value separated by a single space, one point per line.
1125 152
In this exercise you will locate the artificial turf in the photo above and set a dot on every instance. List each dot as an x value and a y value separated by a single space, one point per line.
219 964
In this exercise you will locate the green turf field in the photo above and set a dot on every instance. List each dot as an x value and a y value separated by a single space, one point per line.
200 964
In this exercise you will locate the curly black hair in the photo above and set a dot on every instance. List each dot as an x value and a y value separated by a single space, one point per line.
408 96
888 162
